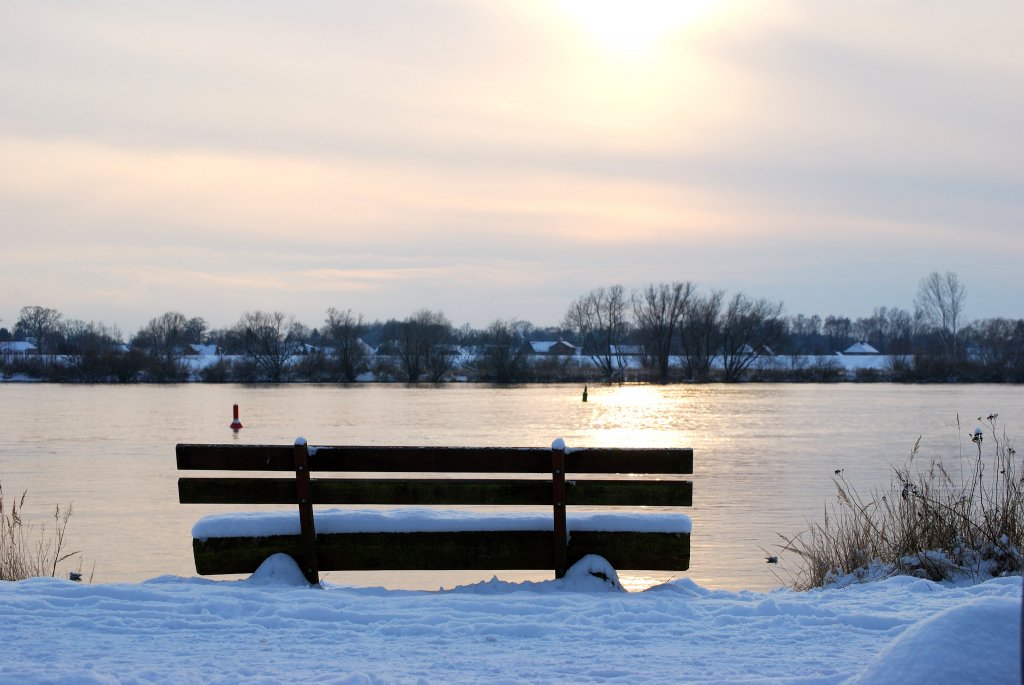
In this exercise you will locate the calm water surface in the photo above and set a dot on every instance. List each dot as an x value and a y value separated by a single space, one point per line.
764 455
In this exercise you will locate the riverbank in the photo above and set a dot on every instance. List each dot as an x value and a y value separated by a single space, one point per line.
317 367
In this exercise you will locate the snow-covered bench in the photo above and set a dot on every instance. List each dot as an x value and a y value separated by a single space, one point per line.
517 523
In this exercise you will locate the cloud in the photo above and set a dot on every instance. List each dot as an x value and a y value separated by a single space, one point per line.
256 155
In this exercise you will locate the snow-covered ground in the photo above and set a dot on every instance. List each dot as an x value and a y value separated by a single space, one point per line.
273 628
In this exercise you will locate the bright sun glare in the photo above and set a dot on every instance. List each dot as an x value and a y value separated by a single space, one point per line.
633 26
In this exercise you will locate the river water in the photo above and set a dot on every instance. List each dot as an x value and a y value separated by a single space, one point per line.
764 455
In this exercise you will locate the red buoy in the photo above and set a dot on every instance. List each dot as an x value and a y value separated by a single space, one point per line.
235 423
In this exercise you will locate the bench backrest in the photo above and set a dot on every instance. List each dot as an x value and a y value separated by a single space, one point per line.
440 463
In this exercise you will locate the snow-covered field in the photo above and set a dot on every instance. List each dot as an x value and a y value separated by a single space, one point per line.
273 628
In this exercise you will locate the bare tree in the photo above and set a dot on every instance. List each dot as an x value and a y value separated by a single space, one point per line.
804 335
1000 347
806 326
94 351
839 330
43 325
940 304
901 331
748 328
165 342
700 333
270 340
886 329
658 311
503 353
599 319
425 346
343 331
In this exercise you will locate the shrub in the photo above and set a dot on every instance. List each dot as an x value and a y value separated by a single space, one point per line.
928 524
218 372
26 552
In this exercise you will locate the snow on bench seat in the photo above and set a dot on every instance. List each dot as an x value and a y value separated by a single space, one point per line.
415 520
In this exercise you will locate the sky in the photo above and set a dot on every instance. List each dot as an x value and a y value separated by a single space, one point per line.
498 159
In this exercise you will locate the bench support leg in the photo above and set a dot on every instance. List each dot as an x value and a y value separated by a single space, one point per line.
561 537
309 564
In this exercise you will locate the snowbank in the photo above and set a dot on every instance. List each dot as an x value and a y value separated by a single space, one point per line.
963 644
274 628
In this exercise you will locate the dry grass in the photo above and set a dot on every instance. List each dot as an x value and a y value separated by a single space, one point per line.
928 523
28 550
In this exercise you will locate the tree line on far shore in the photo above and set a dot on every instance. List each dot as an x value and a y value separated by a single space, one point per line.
664 332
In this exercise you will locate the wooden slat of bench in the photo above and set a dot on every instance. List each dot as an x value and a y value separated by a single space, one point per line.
428 491
235 457
469 550
434 459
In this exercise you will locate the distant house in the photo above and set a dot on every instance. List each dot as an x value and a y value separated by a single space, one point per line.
558 347
20 348
365 349
205 350
359 346
860 348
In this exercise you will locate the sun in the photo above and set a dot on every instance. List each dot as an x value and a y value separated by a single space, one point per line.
633 26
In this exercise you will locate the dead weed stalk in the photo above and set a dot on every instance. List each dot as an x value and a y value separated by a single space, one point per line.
928 523
28 550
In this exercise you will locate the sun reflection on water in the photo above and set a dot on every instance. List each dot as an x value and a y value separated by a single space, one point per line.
635 415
